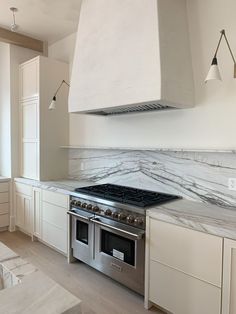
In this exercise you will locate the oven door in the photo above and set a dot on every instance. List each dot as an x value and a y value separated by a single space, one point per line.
82 235
120 252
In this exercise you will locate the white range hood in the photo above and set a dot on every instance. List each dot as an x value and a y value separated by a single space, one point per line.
131 55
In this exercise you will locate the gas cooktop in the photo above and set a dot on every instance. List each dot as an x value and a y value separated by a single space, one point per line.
127 195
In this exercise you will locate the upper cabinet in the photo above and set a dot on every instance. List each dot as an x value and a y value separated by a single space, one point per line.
42 132
131 55
29 80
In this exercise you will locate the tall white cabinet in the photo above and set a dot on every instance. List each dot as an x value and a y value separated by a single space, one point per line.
42 132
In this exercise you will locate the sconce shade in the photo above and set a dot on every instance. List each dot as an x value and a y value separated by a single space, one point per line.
53 104
214 72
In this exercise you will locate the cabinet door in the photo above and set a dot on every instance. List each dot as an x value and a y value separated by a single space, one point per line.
29 118
37 212
229 278
29 79
23 212
195 253
19 207
54 226
180 293
28 227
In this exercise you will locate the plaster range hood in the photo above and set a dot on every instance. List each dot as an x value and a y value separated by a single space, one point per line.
131 56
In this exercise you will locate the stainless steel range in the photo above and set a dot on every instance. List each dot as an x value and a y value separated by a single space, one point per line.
108 230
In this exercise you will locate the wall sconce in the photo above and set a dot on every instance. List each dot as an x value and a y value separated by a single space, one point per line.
54 99
214 72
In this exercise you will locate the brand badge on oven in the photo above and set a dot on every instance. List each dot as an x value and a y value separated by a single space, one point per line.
118 254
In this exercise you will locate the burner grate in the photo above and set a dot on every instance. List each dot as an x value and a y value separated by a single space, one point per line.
127 195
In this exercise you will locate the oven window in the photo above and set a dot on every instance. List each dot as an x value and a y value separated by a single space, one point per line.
118 246
81 231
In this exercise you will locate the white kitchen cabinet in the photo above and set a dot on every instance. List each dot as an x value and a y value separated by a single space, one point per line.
4 205
183 269
54 220
42 132
23 207
37 212
229 278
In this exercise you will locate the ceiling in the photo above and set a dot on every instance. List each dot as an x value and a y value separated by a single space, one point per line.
48 20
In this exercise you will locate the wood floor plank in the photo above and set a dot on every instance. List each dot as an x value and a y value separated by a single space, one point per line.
99 294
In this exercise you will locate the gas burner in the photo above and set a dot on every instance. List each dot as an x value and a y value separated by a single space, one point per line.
127 195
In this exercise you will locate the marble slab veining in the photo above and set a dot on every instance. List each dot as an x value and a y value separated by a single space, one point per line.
202 217
199 176
199 216
27 290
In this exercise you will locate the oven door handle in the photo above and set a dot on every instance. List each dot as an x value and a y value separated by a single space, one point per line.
79 216
136 236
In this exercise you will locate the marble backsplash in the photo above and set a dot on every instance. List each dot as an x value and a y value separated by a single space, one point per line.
200 176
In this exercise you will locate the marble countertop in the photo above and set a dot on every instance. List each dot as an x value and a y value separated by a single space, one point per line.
4 179
28 290
65 186
195 215
198 216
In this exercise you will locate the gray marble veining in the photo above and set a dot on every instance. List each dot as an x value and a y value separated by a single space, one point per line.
199 176
202 217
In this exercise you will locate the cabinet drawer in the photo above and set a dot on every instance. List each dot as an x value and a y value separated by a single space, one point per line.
4 197
56 198
195 253
4 187
4 208
23 189
180 293
4 220
55 215
54 236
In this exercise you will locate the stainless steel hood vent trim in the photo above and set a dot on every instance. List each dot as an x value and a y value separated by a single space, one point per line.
129 109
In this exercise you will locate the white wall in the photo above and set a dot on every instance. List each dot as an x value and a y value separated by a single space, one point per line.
211 124
5 111
63 50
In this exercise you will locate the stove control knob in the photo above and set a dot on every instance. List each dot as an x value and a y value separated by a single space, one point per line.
139 221
115 215
108 212
89 206
130 219
95 209
73 202
84 205
121 216
78 203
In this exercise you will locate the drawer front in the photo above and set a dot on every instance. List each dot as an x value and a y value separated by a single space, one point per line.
56 198
54 236
23 189
195 253
4 208
4 187
4 220
4 197
55 215
180 293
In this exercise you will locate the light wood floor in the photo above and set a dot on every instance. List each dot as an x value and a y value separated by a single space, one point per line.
99 294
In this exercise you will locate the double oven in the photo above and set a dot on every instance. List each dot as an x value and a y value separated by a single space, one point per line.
112 247
108 229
